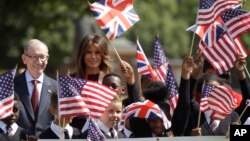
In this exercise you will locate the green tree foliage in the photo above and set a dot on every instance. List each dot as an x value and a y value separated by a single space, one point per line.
165 18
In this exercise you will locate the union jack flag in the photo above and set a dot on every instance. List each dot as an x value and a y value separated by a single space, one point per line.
71 102
220 100
165 74
6 93
147 110
209 10
114 16
143 65
237 21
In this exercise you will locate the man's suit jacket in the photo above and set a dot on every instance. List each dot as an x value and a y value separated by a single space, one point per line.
27 118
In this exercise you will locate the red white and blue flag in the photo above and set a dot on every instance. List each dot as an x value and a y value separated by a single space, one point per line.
70 100
6 93
209 10
97 97
237 21
165 74
146 109
219 100
94 133
114 16
82 97
143 65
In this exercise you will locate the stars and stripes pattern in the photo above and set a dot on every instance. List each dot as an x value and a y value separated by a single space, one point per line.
6 93
220 100
94 133
71 102
114 16
223 53
97 97
237 21
147 110
82 97
209 10
172 87
165 74
143 65
211 33
160 60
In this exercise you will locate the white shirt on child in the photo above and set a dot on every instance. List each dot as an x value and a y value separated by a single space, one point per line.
105 129
59 131
13 126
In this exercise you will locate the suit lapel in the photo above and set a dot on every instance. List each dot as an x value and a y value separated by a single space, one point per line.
25 98
44 96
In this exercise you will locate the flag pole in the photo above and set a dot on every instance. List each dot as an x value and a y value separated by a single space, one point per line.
192 44
116 52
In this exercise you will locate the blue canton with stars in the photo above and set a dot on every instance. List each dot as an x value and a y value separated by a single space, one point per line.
159 55
206 89
171 83
94 133
70 87
206 4
6 84
232 13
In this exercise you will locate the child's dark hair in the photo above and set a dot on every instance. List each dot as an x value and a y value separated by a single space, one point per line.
111 74
16 97
54 99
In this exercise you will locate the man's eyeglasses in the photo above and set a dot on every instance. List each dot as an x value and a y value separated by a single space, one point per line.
36 57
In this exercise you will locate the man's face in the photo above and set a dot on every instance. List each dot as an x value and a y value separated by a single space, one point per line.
14 115
36 58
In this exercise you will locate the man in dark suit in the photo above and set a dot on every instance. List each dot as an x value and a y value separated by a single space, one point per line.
34 88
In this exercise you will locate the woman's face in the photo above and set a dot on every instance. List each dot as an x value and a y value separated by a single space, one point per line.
92 58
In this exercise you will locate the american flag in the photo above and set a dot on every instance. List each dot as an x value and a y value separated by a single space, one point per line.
148 110
237 21
97 97
166 74
6 93
94 133
71 102
209 10
143 65
223 53
220 100
160 60
210 33
172 86
114 16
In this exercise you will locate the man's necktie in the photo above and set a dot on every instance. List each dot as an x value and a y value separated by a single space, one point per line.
66 134
8 130
34 98
112 133
213 125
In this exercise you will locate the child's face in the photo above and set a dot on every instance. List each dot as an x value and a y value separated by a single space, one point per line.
112 114
14 115
156 126
114 83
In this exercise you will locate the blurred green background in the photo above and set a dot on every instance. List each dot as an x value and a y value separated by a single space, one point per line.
61 24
